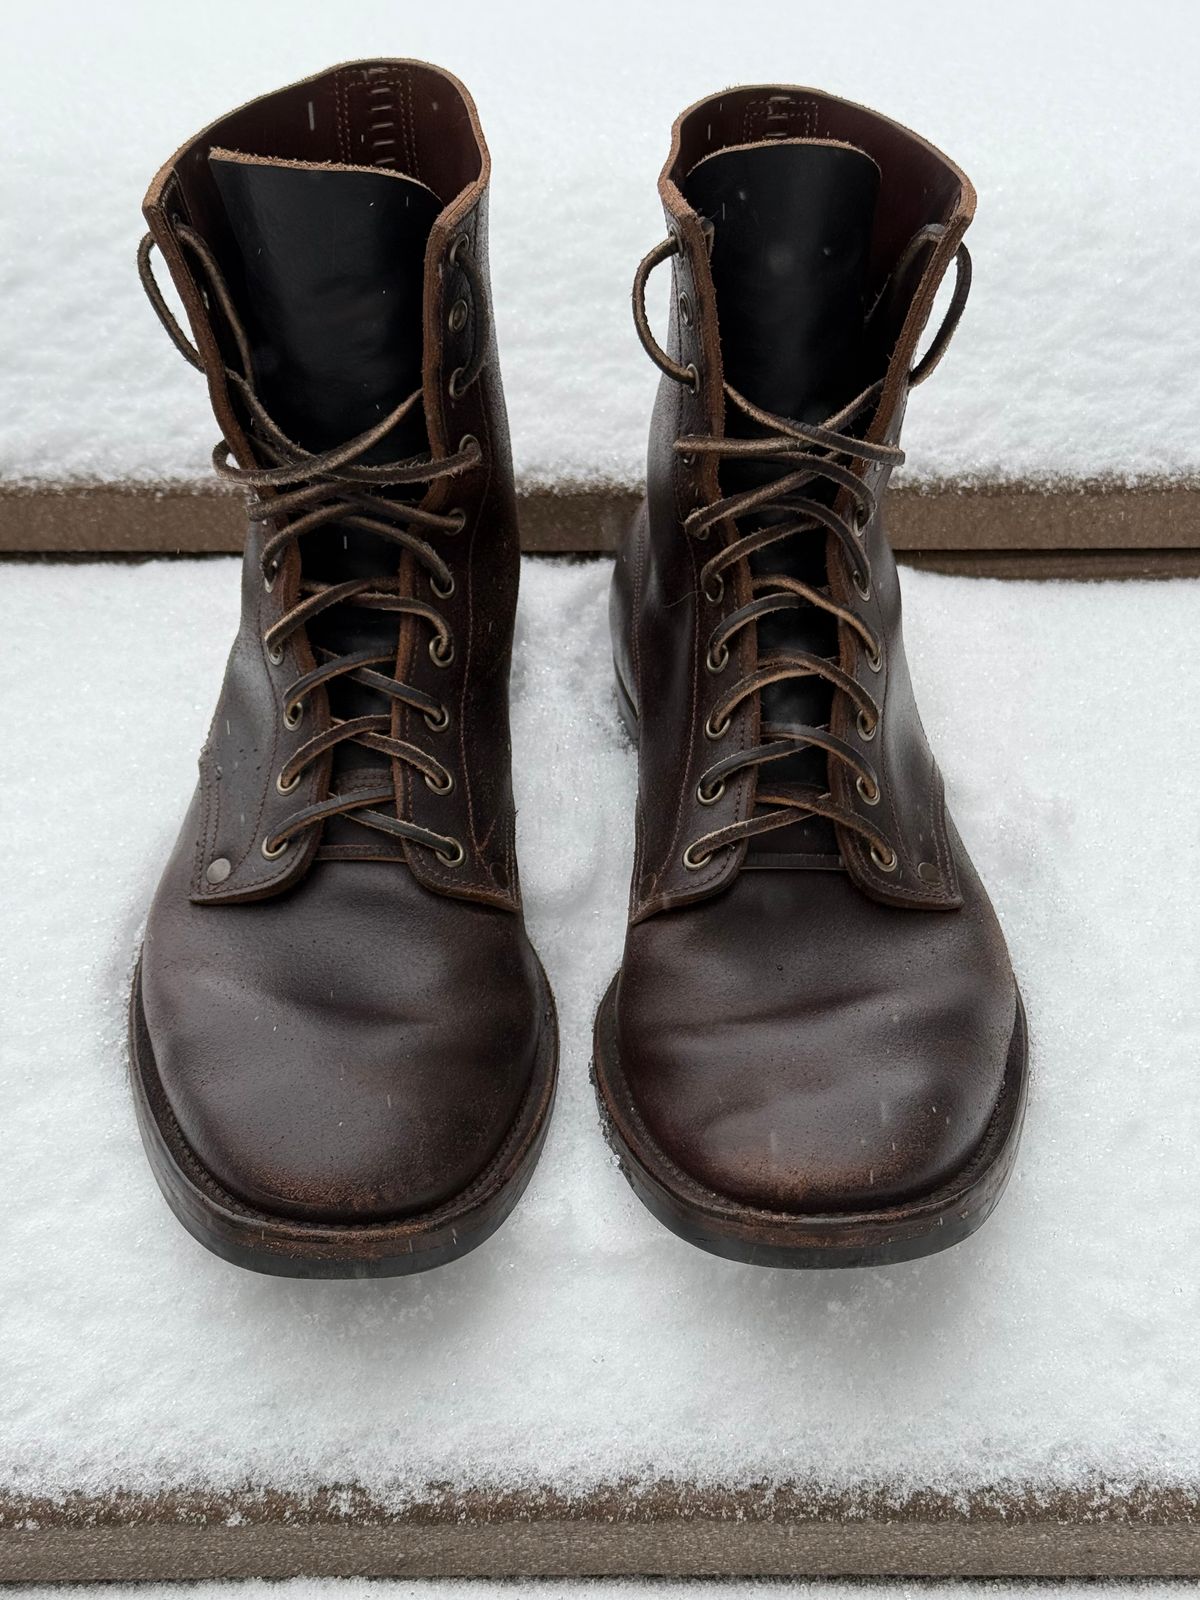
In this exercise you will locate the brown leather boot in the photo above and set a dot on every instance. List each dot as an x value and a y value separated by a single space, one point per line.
814 1053
344 1046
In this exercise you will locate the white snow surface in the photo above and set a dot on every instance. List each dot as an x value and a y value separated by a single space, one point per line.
584 1344
1079 355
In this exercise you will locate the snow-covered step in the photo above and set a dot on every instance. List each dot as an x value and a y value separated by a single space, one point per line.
586 1392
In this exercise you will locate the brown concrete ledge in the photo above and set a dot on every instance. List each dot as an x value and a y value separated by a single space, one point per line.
666 1531
1007 530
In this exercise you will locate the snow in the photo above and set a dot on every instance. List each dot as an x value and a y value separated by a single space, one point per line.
1079 354
584 1344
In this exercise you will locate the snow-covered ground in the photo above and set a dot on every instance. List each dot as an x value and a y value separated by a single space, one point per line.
1077 120
584 1344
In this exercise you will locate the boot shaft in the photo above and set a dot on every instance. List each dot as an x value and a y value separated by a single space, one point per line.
329 245
807 239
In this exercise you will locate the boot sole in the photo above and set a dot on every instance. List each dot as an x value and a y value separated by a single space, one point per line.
287 1247
760 1237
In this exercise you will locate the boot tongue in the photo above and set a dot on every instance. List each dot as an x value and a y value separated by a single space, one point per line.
330 288
792 224
792 236
332 281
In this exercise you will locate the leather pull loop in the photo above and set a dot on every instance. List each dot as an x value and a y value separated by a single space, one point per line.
669 247
161 309
958 304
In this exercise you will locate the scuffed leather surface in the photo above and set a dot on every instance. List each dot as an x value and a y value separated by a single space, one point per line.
797 1046
793 1039
355 1049
350 1039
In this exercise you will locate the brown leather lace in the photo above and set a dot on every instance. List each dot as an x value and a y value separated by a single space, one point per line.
297 491
809 452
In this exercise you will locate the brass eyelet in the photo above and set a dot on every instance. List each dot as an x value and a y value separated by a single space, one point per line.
455 386
869 796
293 715
685 309
465 443
452 858
286 788
277 851
693 372
717 663
463 242
440 788
275 654
716 593
457 320
445 655
867 730
437 724
710 797
442 594
713 730
874 659
887 863
862 588
694 862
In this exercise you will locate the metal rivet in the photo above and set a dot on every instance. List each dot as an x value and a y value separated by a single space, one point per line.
928 873
217 871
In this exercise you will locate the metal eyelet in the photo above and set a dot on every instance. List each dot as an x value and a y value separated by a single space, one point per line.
710 797
693 372
861 524
286 788
716 593
438 724
440 788
278 850
714 731
694 862
452 859
867 730
465 443
444 656
874 659
269 576
887 863
869 796
459 518
862 589
442 594
455 387
275 654
463 242
685 309
293 715
457 320
716 663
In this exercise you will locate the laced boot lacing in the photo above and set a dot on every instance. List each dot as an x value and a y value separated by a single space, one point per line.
297 491
810 452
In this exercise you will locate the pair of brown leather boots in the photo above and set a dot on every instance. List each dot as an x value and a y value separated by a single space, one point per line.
344 1045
